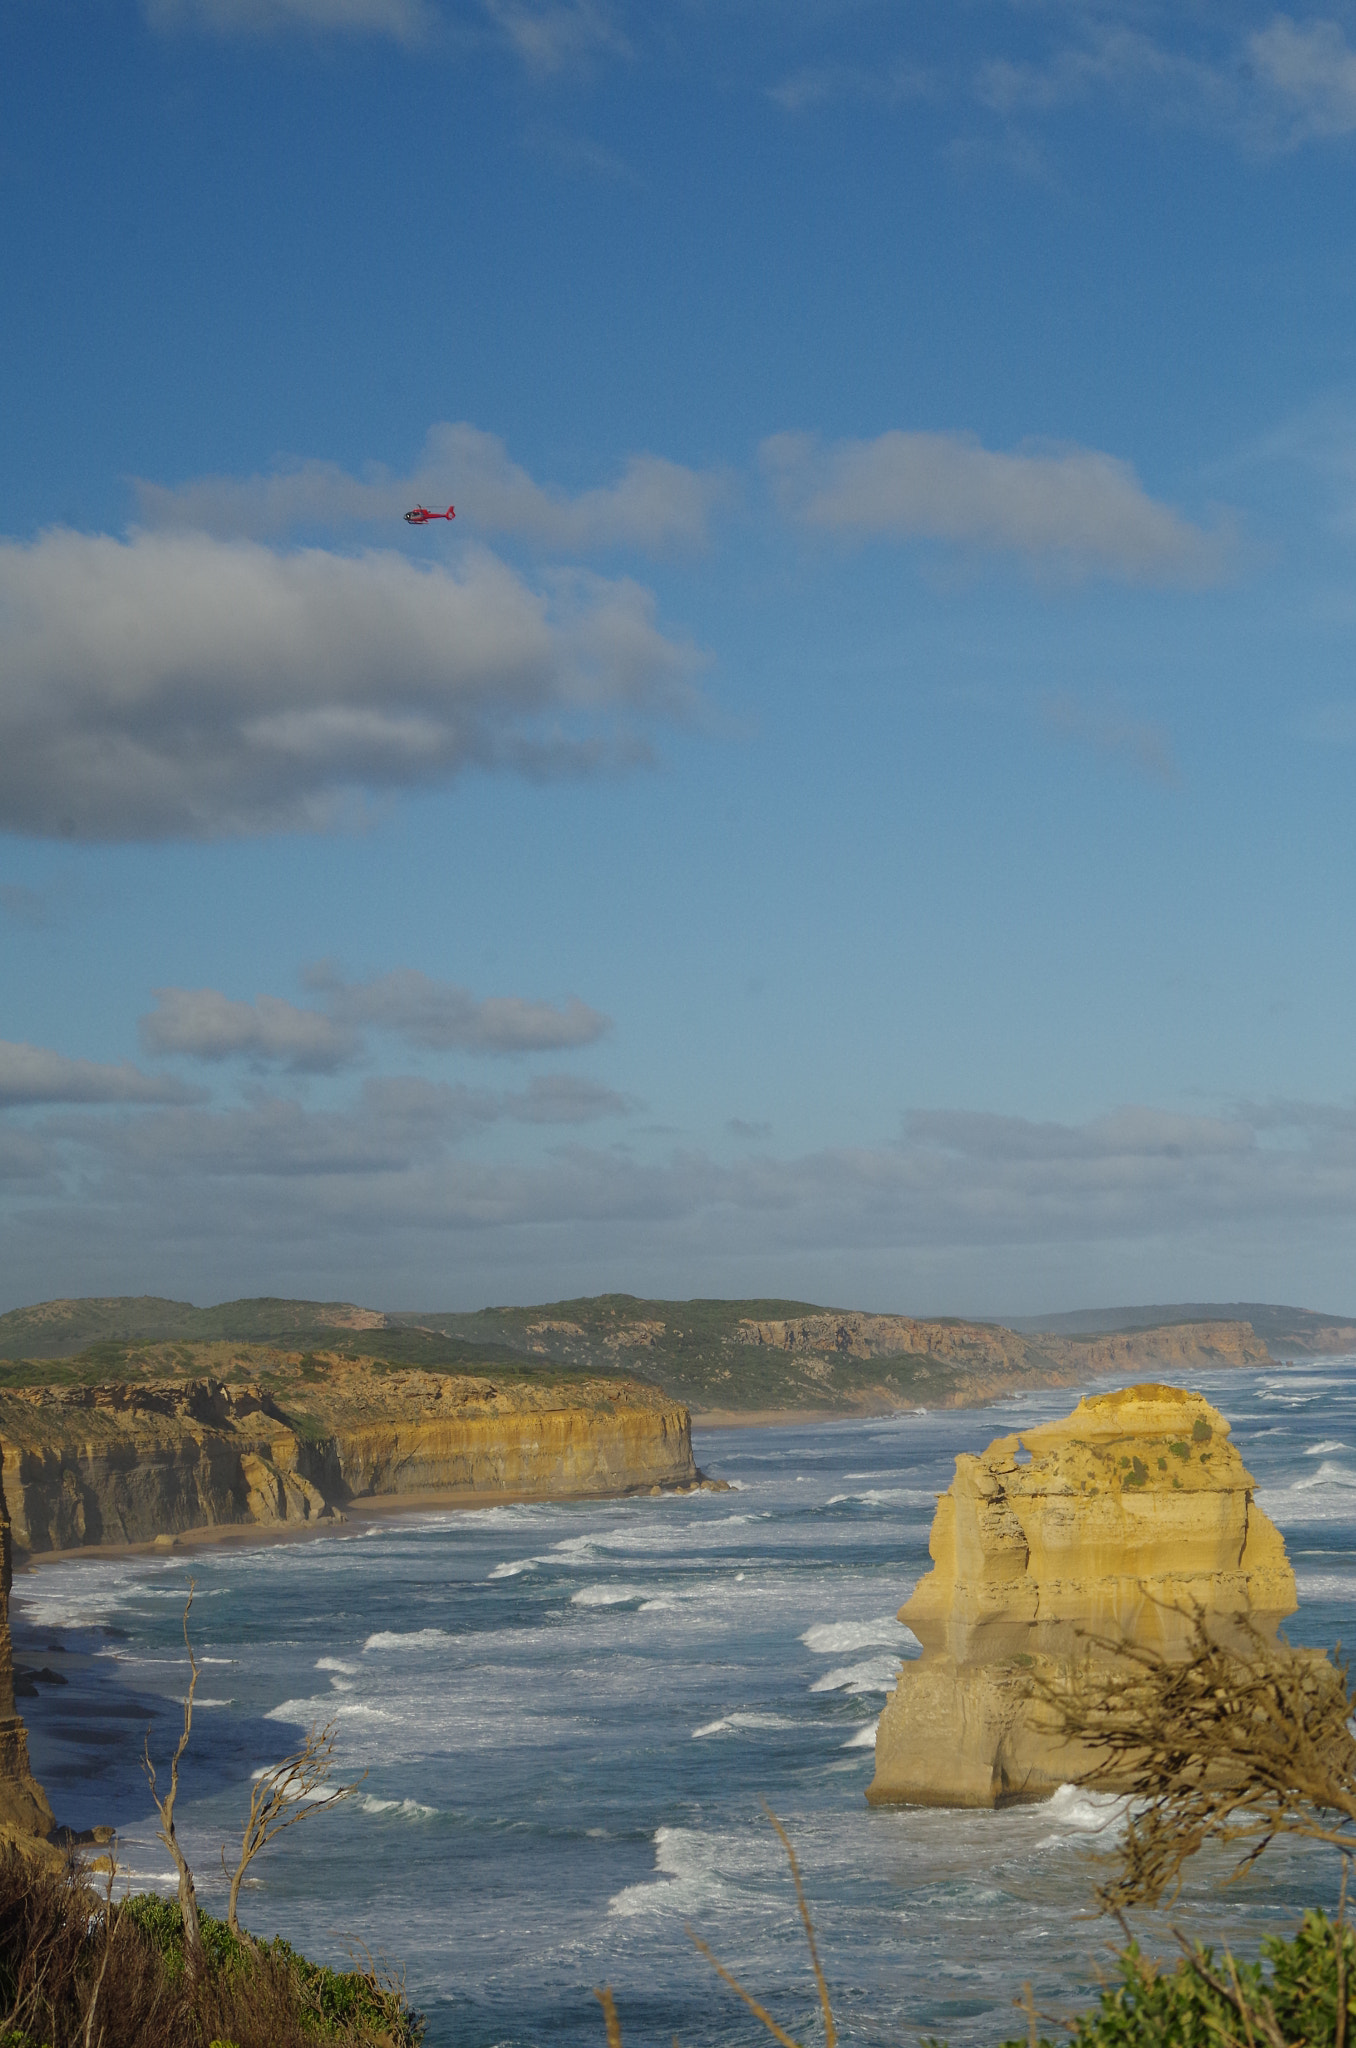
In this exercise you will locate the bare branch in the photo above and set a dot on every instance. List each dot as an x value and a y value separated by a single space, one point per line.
727 1976
108 1920
282 1796
759 2011
1232 1743
188 1902
830 2031
610 2020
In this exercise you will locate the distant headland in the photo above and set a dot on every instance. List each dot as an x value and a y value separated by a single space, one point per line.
724 1360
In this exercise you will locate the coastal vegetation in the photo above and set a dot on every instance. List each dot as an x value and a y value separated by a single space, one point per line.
739 1357
79 1966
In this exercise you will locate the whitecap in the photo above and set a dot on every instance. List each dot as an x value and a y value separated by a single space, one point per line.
733 1723
877 1674
883 1496
513 1568
865 1738
604 1596
1326 1585
336 1664
410 1809
832 1638
1080 1812
686 1880
1328 1444
325 1709
1327 1474
578 1549
417 1639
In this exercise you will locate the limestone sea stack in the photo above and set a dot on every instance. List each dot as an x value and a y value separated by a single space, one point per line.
1120 1521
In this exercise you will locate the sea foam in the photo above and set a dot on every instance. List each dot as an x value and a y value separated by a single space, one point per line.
877 1674
835 1638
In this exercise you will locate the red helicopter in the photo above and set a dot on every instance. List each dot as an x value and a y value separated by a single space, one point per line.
421 515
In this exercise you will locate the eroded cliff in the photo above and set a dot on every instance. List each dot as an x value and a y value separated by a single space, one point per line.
127 1463
24 1812
1120 1520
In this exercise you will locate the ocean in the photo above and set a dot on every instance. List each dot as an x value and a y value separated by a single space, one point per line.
570 1717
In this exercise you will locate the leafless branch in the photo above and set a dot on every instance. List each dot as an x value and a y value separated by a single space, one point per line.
90 2039
760 2012
188 1902
610 2020
1232 1743
280 1798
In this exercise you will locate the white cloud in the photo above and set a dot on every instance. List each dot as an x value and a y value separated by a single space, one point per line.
420 1195
176 685
441 1016
564 1099
372 1180
555 36
397 1126
654 504
817 85
1310 68
203 1024
405 21
35 1074
1275 88
1076 509
1116 60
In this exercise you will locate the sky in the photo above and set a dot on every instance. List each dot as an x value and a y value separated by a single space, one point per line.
857 805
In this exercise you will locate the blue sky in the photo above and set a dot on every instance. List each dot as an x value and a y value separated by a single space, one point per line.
858 803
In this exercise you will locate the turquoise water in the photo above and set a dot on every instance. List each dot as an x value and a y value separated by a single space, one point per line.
569 1716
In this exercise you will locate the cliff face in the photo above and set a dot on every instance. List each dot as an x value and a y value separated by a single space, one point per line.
128 1463
852 1335
958 1365
1177 1345
23 1803
1121 1518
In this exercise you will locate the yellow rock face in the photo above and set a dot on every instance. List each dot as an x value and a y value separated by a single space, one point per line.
1118 1521
24 1812
130 1463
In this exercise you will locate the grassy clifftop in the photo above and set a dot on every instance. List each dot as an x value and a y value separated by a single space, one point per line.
718 1356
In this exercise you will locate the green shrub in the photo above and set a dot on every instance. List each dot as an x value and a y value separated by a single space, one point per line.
67 1957
1291 1995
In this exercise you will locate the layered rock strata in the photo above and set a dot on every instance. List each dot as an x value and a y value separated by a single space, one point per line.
130 1463
988 1346
24 1812
1120 1521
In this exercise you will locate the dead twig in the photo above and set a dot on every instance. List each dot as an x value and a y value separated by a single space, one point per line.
188 1901
760 2012
1229 1742
610 2020
279 1798
830 2031
90 2041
